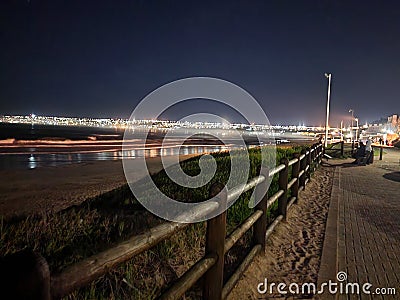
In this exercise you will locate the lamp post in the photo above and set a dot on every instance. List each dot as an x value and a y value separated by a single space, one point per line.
329 76
356 119
351 128
341 130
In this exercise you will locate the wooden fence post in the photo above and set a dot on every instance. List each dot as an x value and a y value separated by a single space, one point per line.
342 148
303 162
316 158
283 182
25 275
295 174
321 153
309 164
313 156
260 227
215 242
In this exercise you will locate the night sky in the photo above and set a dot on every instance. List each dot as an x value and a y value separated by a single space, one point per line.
100 58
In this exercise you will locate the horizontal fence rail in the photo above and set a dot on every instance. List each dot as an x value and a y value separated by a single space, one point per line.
211 266
351 149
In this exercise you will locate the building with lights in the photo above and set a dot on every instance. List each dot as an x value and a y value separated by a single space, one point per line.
394 123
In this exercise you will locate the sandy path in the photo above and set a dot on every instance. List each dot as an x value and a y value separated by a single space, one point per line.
50 189
293 252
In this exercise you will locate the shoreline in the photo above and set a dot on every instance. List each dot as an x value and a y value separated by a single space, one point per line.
51 189
50 146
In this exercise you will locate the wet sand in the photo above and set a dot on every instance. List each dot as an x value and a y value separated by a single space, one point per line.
51 189
293 251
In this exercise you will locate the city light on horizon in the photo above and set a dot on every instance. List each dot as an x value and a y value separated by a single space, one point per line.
122 124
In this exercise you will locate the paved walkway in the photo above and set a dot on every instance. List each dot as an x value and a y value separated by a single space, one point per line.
363 228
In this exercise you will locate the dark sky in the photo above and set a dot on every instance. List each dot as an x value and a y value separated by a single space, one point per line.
100 58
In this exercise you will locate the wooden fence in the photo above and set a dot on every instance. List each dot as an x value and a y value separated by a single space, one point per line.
339 149
211 266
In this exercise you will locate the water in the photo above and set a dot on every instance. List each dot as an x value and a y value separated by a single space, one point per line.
26 146
36 132
32 161
23 146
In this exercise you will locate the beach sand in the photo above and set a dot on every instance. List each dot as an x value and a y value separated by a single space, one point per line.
50 189
293 251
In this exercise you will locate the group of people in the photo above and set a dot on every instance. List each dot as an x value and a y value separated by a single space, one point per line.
364 154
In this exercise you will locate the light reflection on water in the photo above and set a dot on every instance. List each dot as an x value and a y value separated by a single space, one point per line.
33 161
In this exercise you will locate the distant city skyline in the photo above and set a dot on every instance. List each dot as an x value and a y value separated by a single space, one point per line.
63 120
100 59
170 117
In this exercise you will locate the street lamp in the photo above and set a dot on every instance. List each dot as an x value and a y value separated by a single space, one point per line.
351 128
341 130
329 76
356 119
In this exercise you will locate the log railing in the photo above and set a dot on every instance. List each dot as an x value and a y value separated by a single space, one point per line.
211 266
341 150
